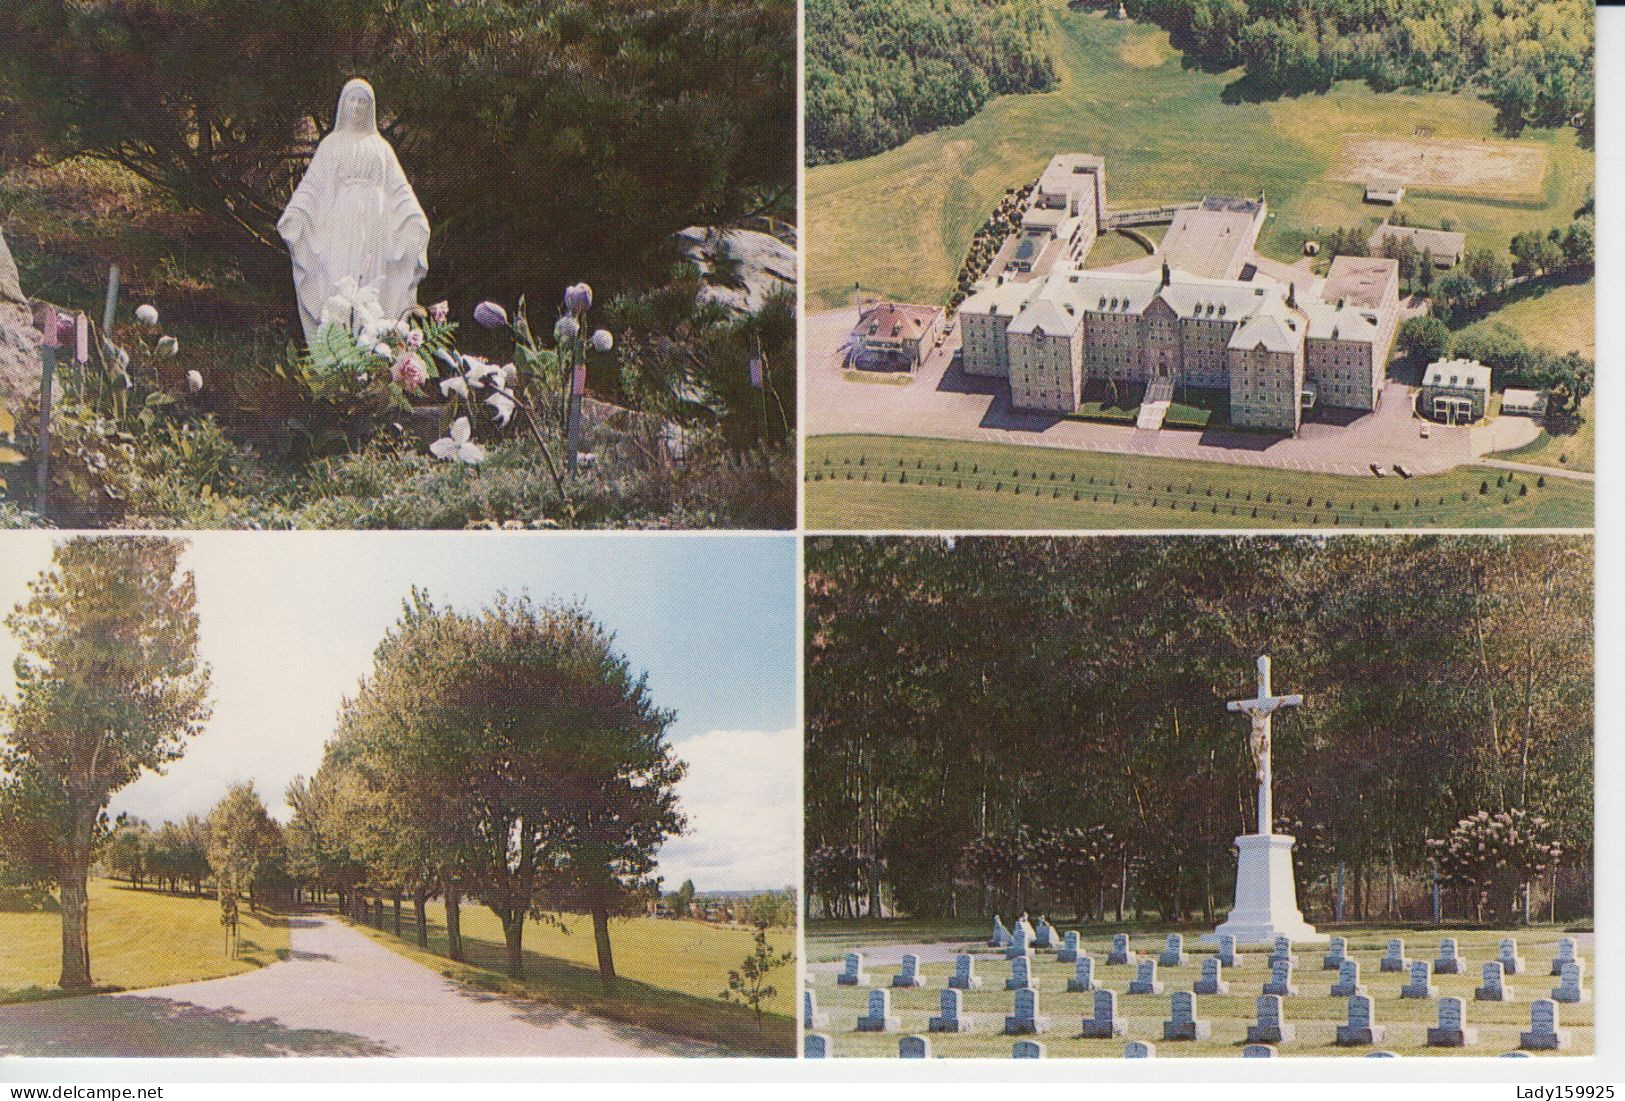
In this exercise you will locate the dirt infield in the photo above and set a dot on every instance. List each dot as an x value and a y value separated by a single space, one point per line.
1502 170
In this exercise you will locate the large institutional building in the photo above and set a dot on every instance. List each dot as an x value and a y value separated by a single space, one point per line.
1205 311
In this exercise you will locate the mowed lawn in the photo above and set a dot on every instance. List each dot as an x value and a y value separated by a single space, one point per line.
138 939
899 223
1313 1010
670 972
892 482
1559 319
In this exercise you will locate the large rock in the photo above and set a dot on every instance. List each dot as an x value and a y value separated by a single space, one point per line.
760 263
10 289
19 357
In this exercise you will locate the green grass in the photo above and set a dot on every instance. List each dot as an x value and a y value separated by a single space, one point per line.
901 221
879 378
844 490
138 939
1314 1011
670 973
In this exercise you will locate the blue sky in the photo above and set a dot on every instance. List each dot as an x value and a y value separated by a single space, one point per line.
289 622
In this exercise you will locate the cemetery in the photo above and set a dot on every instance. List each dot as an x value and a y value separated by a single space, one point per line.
303 310
1238 928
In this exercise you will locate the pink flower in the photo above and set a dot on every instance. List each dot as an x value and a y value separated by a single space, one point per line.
409 372
439 312
414 339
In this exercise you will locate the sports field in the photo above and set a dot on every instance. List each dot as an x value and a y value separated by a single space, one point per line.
897 483
899 223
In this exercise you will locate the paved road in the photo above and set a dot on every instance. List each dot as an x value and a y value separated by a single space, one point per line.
339 993
942 401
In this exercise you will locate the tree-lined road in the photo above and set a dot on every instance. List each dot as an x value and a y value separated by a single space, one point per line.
338 993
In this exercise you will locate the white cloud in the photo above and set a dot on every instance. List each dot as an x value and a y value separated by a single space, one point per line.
742 796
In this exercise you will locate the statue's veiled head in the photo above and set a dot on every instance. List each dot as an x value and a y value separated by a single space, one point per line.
358 109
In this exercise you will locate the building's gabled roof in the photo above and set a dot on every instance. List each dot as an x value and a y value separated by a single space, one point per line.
1275 329
1328 321
1443 244
1004 298
1459 373
896 320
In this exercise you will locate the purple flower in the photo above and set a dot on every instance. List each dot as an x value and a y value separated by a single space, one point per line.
439 312
491 315
578 299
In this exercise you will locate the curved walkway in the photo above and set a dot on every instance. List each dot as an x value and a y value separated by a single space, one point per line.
338 993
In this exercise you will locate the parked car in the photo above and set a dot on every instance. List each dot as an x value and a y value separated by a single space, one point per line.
1379 471
1401 471
1427 430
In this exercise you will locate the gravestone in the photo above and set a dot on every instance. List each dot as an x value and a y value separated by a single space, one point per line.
1083 976
1182 1023
1544 1033
914 1047
1507 953
1450 961
354 229
1139 1049
11 289
910 974
1001 935
1211 981
810 1017
1334 957
1026 1049
1227 952
951 1019
1069 948
1452 1030
1105 1024
1021 943
1120 953
1024 1016
1024 926
1394 959
1280 984
1259 1051
964 976
1362 1029
1348 979
1269 1027
1566 951
1421 981
1021 975
1571 987
1173 951
878 1018
1145 979
815 1045
1495 988
853 974
1282 951
1045 937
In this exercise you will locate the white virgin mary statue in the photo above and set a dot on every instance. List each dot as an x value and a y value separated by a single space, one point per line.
353 226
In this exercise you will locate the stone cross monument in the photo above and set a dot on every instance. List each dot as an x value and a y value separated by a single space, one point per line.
1266 896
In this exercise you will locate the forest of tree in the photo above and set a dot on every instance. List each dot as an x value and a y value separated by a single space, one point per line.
550 140
1533 61
880 71
998 724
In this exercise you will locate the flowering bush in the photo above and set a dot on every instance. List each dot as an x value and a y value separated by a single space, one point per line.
1492 856
361 358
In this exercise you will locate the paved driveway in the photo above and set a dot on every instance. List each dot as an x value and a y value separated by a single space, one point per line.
339 993
942 401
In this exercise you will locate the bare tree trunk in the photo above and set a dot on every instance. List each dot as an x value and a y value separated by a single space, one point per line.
513 933
397 912
600 932
420 911
454 920
75 902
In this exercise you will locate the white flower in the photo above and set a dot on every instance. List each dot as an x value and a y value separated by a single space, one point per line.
478 370
503 404
382 351
457 445
168 347
194 381
147 314
355 308
567 328
603 340
456 384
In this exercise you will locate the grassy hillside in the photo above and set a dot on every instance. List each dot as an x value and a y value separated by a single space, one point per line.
900 222
138 939
1061 489
670 973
